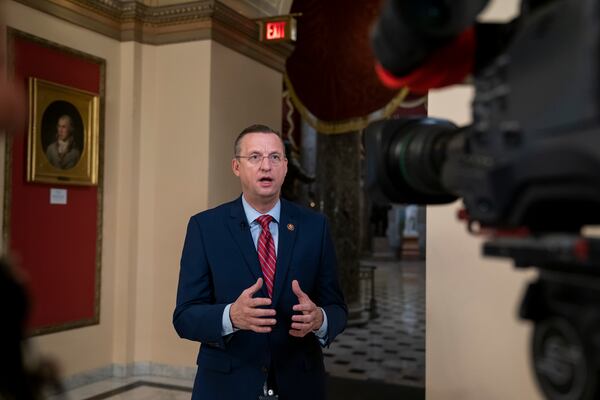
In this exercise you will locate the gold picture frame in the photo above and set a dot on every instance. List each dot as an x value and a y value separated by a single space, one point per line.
63 134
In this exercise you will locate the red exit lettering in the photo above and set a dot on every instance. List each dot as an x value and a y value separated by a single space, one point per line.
275 30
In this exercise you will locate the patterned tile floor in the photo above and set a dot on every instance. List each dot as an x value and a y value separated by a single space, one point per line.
391 347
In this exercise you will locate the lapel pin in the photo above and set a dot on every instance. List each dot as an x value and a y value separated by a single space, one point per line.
291 227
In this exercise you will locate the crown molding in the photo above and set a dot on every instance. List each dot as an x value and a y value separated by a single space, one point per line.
131 20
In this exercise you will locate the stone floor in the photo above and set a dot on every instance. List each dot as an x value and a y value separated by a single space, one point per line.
389 349
133 388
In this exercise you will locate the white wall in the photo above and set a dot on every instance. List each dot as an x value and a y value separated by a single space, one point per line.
181 165
476 346
243 93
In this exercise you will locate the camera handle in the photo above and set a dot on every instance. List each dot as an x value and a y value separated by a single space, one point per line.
564 306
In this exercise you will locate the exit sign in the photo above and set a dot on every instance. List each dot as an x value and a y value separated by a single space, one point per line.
275 30
278 29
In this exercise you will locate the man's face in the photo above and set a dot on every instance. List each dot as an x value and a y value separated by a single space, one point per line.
63 128
261 182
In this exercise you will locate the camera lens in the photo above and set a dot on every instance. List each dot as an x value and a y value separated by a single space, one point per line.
405 158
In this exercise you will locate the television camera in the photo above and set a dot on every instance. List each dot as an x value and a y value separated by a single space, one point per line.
527 168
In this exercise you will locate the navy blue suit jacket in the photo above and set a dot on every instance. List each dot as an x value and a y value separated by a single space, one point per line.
219 261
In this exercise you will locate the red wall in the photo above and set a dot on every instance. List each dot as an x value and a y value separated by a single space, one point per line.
55 244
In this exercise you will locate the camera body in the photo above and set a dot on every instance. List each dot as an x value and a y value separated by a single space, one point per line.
531 157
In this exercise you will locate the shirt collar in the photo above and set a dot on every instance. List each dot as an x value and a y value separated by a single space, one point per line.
252 214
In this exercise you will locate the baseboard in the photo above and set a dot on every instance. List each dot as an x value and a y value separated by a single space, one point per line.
128 370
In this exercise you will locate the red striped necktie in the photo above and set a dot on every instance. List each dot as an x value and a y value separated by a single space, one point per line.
266 252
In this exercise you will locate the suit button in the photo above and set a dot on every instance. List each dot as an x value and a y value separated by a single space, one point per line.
265 370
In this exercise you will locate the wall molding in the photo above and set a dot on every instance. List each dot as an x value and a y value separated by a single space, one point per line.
160 25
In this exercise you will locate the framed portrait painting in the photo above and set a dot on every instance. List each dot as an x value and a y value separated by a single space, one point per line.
63 134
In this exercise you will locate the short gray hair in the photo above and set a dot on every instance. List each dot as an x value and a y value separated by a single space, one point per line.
256 128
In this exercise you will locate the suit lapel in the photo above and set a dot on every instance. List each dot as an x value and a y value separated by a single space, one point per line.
288 230
240 230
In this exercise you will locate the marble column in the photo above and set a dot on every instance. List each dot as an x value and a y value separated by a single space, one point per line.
338 196
366 228
308 152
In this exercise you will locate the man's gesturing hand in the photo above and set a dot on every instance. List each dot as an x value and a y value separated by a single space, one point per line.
312 316
244 313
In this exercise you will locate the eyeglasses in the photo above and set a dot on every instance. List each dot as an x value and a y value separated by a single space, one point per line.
256 159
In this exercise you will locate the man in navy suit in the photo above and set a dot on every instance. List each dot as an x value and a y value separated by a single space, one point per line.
262 302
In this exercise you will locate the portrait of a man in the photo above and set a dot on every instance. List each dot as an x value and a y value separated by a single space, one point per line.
64 129
64 152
